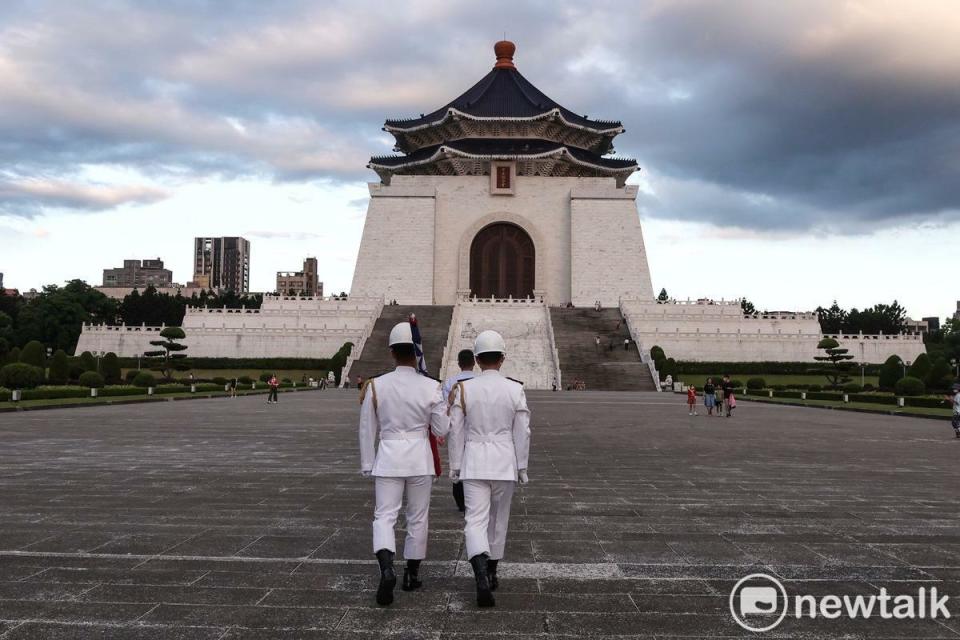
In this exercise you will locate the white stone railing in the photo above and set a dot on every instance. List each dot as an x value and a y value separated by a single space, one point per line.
641 348
105 328
553 349
706 309
362 341
466 298
452 334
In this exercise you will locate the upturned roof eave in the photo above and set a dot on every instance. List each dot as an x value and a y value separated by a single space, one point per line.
616 127
444 150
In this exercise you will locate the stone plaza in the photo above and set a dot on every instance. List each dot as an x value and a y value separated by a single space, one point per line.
234 519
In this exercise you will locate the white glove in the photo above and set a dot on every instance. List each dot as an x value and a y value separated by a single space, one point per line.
454 474
366 474
523 476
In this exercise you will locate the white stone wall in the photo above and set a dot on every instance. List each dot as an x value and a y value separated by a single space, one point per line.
283 327
608 257
399 259
397 247
721 333
525 328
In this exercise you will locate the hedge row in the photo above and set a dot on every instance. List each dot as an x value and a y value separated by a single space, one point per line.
871 398
772 368
243 363
69 392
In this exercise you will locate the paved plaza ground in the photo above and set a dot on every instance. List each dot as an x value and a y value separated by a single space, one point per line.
234 519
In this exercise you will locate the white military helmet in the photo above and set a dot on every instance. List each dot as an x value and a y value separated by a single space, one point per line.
489 341
401 334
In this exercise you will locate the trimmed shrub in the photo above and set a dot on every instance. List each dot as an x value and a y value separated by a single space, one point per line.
220 381
91 380
265 376
852 387
287 381
122 390
868 387
940 376
14 356
34 353
59 372
5 395
87 361
130 375
19 375
144 379
910 386
110 369
890 372
737 384
921 367
245 380
874 398
54 393
657 354
927 402
756 383
815 387
786 394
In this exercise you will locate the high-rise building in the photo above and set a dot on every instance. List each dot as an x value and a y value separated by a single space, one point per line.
933 323
306 282
222 264
956 316
138 273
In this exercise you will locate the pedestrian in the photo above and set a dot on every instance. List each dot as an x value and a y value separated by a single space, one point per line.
954 397
692 400
727 394
233 387
466 362
668 383
718 400
709 399
626 344
404 407
274 384
731 404
360 383
597 342
489 450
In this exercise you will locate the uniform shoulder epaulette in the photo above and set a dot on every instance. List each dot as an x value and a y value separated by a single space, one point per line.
519 382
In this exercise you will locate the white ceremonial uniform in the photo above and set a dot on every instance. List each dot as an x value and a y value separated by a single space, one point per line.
450 382
403 405
489 443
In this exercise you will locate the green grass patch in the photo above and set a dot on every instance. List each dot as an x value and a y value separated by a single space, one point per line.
868 406
698 379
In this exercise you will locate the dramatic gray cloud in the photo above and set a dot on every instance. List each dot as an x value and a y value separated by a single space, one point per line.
772 116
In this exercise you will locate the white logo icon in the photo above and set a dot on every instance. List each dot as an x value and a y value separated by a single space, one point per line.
765 597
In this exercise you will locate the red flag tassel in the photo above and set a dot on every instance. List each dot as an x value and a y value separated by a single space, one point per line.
436 455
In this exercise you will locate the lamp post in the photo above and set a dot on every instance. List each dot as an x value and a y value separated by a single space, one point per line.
905 363
99 355
956 364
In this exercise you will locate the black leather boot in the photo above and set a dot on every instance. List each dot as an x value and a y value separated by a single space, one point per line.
492 574
411 576
388 579
484 594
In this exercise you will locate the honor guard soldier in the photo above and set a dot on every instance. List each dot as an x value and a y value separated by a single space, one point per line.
404 407
466 361
489 445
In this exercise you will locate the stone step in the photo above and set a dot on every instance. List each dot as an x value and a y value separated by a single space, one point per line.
434 323
617 369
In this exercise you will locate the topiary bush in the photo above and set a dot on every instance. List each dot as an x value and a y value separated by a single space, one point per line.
921 367
59 372
19 375
91 380
144 379
245 380
130 375
265 377
737 384
110 369
756 383
13 356
220 381
910 386
852 387
656 353
34 353
87 361
890 372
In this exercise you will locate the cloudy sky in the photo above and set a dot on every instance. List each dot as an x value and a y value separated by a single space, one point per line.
792 152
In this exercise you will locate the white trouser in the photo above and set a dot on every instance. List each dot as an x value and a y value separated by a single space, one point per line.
389 497
488 515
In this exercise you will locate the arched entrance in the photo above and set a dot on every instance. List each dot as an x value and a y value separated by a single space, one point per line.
502 259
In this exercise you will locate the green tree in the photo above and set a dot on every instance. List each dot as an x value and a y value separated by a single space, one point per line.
663 297
832 320
56 316
339 359
91 380
59 372
87 361
747 307
13 355
909 386
6 327
110 369
940 375
920 367
34 353
170 356
20 375
838 359
890 372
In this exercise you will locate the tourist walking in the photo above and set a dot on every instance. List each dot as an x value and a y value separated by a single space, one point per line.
626 344
731 404
709 399
597 342
233 387
727 394
466 362
404 407
954 397
692 399
718 400
274 384
489 447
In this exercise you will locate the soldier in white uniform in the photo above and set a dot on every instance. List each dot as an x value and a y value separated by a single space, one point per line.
489 445
403 406
466 361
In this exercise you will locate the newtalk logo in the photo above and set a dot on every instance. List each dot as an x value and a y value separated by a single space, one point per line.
759 603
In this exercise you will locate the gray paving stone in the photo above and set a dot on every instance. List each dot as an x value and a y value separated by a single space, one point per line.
241 522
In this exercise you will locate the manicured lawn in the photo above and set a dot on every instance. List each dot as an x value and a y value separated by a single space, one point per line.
73 402
699 378
295 375
946 412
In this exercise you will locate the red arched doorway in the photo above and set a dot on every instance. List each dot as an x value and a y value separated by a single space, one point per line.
502 259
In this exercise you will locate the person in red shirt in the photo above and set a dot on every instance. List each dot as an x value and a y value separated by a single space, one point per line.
692 399
274 384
